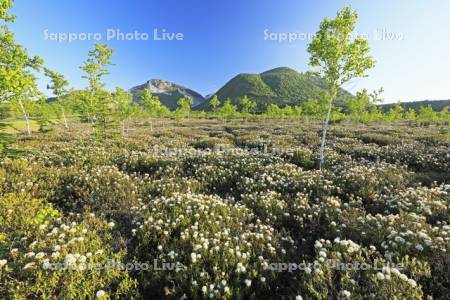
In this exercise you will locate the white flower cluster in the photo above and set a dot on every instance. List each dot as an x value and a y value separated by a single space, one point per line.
220 235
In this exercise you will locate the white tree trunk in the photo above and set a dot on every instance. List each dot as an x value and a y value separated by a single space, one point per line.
324 132
25 116
91 121
66 125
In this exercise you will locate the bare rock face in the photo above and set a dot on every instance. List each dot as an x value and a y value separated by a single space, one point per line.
167 92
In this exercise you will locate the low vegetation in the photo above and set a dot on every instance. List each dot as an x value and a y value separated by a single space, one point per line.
226 210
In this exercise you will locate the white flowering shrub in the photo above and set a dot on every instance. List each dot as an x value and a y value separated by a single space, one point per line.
429 202
146 162
268 206
44 255
367 181
25 176
76 153
169 185
202 209
402 236
344 269
103 189
222 249
417 156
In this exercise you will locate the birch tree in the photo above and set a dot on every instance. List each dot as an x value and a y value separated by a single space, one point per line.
152 106
58 84
184 109
96 101
17 82
247 105
122 101
338 57
214 102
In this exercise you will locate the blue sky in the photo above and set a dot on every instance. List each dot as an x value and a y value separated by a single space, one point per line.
224 38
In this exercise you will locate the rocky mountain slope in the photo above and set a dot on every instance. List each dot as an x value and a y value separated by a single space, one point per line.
167 92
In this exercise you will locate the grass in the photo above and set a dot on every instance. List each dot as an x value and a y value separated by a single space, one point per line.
19 125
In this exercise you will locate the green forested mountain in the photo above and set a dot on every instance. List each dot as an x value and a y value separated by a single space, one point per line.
282 86
437 105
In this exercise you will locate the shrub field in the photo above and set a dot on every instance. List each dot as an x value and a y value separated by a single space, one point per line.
204 209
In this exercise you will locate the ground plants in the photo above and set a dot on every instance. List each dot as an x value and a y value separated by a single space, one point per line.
223 211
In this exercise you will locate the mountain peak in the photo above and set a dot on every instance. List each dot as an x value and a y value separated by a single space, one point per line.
161 86
168 92
279 70
281 86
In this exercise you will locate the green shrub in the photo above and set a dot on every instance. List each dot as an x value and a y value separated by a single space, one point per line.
305 158
45 255
104 189
379 139
25 176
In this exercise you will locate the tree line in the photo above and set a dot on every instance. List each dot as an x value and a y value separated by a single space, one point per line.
334 55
